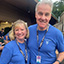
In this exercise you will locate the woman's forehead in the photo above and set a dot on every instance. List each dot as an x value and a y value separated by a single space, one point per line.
19 24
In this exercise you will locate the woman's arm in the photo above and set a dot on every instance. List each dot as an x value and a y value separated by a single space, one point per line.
5 55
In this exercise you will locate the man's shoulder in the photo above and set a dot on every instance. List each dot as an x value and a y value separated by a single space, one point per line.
55 30
32 26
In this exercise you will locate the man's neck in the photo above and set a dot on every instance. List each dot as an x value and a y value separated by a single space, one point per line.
42 29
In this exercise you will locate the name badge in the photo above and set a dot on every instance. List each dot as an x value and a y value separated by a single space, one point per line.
38 59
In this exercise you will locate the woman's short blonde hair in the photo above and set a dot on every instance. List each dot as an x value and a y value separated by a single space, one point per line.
18 23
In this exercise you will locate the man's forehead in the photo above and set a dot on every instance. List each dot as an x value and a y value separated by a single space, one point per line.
44 9
44 6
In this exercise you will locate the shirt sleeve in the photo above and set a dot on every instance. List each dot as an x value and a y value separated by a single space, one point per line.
60 43
5 56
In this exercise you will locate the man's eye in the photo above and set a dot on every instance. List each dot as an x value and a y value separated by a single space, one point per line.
47 14
40 13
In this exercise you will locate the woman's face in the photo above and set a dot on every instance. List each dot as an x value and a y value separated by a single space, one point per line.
20 32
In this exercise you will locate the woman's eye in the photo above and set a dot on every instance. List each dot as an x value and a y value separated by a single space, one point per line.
22 29
16 30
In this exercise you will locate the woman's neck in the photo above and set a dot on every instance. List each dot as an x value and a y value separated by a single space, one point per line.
20 40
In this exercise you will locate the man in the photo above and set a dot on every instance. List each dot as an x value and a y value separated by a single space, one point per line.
44 39
2 33
6 38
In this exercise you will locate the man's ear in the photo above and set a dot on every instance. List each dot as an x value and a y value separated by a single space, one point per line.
50 16
35 14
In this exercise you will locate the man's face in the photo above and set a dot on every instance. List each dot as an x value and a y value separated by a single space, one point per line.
43 16
2 30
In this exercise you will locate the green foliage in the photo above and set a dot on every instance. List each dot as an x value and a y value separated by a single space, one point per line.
58 8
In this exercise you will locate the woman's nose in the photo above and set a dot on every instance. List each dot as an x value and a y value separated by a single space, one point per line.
19 31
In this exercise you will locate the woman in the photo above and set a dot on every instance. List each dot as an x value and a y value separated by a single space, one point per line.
15 52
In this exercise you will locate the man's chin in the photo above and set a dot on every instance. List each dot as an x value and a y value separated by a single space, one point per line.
42 27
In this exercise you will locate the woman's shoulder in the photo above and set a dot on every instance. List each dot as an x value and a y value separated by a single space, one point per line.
11 44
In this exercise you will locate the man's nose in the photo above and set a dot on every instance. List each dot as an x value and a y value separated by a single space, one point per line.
43 17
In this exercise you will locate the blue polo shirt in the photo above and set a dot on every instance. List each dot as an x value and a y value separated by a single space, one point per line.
53 40
12 55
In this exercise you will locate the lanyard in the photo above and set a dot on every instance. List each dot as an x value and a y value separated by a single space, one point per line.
42 38
26 57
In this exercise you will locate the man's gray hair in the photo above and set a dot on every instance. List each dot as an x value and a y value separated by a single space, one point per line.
49 2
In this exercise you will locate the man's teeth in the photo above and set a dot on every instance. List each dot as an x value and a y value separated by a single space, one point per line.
43 21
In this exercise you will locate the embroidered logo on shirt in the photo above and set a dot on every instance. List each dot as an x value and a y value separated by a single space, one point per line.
47 41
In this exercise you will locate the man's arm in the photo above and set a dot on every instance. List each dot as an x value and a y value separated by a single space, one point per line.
59 58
